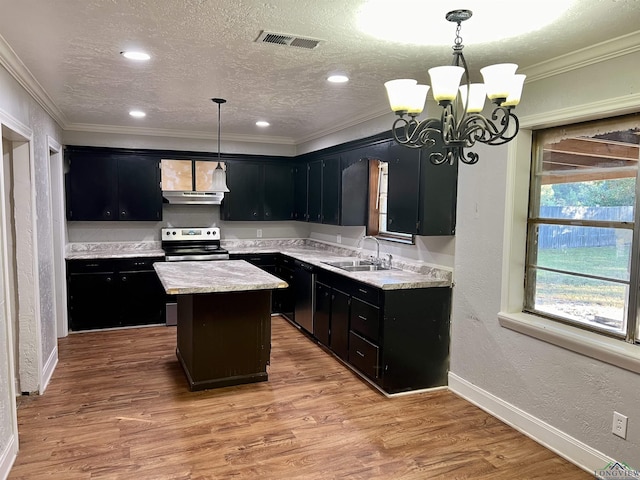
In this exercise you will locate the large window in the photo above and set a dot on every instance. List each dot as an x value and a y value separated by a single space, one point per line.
582 255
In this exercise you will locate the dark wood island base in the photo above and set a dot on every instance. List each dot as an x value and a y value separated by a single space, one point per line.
224 338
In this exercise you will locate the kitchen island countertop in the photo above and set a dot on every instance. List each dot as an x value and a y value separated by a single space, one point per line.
214 277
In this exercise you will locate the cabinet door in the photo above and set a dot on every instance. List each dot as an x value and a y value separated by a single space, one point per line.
315 191
93 301
403 189
278 192
354 191
139 191
322 319
331 191
244 199
438 195
140 298
339 340
92 187
300 193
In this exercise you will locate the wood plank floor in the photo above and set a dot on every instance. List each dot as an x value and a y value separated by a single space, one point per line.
118 407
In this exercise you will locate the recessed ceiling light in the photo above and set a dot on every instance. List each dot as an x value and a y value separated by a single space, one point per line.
338 79
262 123
137 113
133 55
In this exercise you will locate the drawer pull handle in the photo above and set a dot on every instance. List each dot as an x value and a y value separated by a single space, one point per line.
362 290
362 318
93 265
360 353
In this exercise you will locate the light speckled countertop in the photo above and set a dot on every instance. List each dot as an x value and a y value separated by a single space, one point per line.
214 277
404 275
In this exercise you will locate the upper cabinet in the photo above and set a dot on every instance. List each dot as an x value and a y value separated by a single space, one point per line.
337 193
421 196
300 188
103 185
258 191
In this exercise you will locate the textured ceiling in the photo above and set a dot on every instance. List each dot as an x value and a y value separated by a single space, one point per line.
205 48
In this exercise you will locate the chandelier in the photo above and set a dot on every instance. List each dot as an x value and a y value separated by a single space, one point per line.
461 124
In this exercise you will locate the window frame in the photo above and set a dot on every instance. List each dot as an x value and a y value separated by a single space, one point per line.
511 316
630 333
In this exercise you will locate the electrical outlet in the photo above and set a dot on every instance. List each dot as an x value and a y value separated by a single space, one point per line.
339 238
619 425
259 233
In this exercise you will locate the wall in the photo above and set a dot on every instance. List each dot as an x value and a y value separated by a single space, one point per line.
570 398
18 105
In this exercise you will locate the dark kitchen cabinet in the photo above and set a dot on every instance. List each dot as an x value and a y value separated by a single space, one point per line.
403 189
331 191
106 293
322 315
102 185
337 195
339 340
354 197
398 339
315 192
324 191
300 192
258 191
243 201
421 196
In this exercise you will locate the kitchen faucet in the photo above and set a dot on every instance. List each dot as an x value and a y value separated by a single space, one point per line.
377 260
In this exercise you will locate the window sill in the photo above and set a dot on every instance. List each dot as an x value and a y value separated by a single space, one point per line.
603 348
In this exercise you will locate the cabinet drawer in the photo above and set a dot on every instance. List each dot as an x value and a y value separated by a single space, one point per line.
364 292
286 261
138 264
91 266
364 355
365 319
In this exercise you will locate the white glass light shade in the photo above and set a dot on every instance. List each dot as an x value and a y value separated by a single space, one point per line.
445 82
515 92
476 99
498 79
400 93
418 98
219 180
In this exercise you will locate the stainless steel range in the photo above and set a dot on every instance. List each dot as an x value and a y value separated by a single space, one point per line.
188 244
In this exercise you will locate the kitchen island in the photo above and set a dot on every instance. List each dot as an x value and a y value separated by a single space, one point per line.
224 320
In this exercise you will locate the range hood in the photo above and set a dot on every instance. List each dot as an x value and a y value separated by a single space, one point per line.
192 198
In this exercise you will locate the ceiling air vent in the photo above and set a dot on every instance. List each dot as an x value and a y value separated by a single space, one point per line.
288 40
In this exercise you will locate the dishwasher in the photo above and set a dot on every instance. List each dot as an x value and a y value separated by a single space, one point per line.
304 283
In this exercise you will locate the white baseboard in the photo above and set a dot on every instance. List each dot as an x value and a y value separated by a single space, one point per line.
7 457
578 453
48 369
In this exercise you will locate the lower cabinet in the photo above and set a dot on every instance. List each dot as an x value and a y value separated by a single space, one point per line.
398 339
282 299
105 293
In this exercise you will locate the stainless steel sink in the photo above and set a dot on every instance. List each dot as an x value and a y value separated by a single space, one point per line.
357 265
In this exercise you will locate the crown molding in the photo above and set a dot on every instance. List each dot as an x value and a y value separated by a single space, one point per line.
343 126
593 54
581 113
165 132
18 70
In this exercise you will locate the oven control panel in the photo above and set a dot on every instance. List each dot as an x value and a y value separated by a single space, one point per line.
190 233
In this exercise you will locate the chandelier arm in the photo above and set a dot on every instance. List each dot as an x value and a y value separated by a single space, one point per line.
507 138
415 134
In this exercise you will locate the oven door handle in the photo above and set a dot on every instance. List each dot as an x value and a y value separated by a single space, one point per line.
203 257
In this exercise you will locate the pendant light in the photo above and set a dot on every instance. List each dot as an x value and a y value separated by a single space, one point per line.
219 175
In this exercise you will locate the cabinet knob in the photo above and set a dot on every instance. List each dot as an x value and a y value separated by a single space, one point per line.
124 279
108 280
108 213
123 213
255 214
